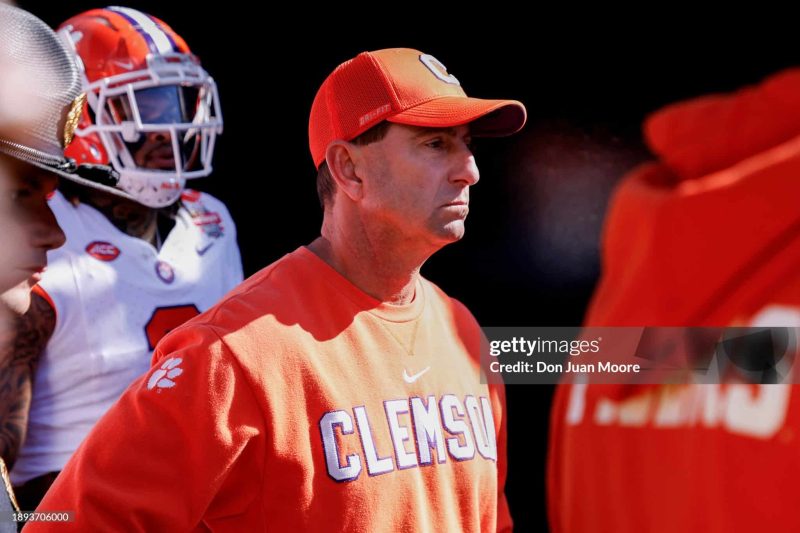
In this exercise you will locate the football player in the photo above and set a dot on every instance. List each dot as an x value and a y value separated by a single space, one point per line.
143 253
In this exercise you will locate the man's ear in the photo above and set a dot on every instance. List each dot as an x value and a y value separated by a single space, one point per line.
342 158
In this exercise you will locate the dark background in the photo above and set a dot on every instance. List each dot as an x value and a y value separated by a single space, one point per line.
530 255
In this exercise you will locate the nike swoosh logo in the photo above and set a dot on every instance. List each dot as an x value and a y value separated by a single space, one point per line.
201 251
415 377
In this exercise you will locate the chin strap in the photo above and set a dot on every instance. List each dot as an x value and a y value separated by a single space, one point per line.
102 174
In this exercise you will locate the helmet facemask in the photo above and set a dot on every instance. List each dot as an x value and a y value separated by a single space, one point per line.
158 126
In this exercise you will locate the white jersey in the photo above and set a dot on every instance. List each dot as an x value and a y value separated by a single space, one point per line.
115 296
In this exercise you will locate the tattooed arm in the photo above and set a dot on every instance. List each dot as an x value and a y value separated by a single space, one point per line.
19 360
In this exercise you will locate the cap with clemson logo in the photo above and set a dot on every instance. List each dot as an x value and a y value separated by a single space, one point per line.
402 86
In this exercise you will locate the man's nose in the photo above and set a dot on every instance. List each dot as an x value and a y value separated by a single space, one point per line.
465 169
47 233
158 137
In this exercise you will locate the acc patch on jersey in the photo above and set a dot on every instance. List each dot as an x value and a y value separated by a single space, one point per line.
102 250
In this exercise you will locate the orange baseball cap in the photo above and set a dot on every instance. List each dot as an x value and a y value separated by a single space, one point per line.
403 86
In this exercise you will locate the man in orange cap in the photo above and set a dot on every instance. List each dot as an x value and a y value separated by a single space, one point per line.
337 389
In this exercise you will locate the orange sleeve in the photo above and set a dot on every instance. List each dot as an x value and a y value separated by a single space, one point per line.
157 459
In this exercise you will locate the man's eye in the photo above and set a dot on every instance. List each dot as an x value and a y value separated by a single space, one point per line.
435 143
21 194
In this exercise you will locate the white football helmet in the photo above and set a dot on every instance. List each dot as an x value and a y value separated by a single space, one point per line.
153 111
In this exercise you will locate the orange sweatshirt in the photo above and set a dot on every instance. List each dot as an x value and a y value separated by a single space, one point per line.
707 236
299 403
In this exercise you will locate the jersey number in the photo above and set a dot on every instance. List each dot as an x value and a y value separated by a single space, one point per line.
165 319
